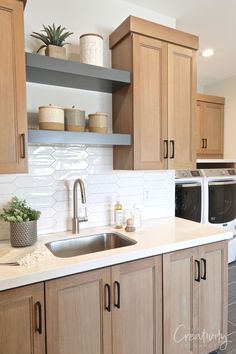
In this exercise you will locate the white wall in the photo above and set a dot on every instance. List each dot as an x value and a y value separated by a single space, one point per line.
227 89
52 170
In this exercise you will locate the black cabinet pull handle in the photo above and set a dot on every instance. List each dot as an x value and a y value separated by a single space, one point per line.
197 271
203 143
23 149
117 292
108 297
206 144
166 149
204 264
38 307
172 143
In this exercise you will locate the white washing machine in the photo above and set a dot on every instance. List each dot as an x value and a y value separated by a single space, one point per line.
189 195
220 202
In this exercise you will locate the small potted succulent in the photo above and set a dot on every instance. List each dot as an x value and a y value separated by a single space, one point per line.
23 222
54 39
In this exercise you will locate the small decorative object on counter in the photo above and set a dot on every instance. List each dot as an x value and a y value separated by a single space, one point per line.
98 122
51 118
129 225
91 49
74 119
118 215
54 39
136 216
23 222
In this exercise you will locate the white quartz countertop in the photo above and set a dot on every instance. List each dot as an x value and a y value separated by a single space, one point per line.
155 237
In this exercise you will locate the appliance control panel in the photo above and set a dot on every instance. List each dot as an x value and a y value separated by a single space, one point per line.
188 174
221 172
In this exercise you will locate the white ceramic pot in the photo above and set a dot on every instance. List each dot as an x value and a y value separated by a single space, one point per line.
98 122
51 118
91 49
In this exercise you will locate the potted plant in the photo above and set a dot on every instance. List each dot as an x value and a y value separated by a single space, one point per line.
54 39
23 222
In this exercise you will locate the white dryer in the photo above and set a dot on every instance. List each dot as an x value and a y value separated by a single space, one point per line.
189 195
220 202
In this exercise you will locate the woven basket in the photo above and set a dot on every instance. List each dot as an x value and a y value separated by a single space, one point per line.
23 233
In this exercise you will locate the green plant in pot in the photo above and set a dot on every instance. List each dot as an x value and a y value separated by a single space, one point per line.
23 222
54 40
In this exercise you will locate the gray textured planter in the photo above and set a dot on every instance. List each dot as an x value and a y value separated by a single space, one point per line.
23 233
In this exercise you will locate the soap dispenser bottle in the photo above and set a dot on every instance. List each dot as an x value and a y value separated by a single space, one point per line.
118 215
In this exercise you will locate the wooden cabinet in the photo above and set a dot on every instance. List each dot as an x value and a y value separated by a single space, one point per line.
195 299
210 126
85 312
158 108
76 314
22 320
137 307
13 118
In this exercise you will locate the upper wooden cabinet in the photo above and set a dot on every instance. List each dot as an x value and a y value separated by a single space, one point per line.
158 108
195 299
22 320
210 126
13 118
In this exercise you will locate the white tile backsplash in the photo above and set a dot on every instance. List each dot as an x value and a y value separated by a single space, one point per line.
48 187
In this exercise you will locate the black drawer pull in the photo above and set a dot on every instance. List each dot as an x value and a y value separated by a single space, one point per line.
203 143
117 296
203 263
172 143
197 271
206 144
23 148
166 155
108 297
38 307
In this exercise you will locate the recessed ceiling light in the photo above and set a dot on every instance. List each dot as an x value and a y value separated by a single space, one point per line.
208 53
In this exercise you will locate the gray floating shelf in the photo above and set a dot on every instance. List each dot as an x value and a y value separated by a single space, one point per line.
51 137
57 72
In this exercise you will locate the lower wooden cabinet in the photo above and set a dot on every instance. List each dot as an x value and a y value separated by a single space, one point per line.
85 312
22 320
195 299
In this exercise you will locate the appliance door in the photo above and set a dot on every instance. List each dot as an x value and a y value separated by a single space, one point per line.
188 201
222 201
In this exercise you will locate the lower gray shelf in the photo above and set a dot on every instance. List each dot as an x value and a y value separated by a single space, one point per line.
51 137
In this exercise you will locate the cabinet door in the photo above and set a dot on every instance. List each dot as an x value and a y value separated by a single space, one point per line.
180 302
76 315
213 128
181 107
13 120
137 307
213 296
149 103
22 320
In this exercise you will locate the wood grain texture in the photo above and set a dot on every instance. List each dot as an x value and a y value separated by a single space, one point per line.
213 128
137 324
18 318
77 321
182 106
211 99
154 30
13 119
180 302
213 304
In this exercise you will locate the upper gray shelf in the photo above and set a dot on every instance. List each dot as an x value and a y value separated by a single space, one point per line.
57 72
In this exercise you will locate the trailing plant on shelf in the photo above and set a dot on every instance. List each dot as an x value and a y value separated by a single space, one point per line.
54 39
23 222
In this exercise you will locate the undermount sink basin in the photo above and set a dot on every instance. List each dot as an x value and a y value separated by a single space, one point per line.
73 247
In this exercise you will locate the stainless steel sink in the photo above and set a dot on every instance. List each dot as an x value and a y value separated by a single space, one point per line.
73 247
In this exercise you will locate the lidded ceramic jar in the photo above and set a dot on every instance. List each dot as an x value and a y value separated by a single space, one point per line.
51 118
74 119
91 49
98 122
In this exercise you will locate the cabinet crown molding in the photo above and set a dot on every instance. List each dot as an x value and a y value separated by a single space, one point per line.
151 29
210 99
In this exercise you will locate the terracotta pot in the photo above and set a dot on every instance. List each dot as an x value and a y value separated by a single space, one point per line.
55 51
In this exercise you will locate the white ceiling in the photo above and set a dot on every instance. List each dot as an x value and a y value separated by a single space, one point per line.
214 21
